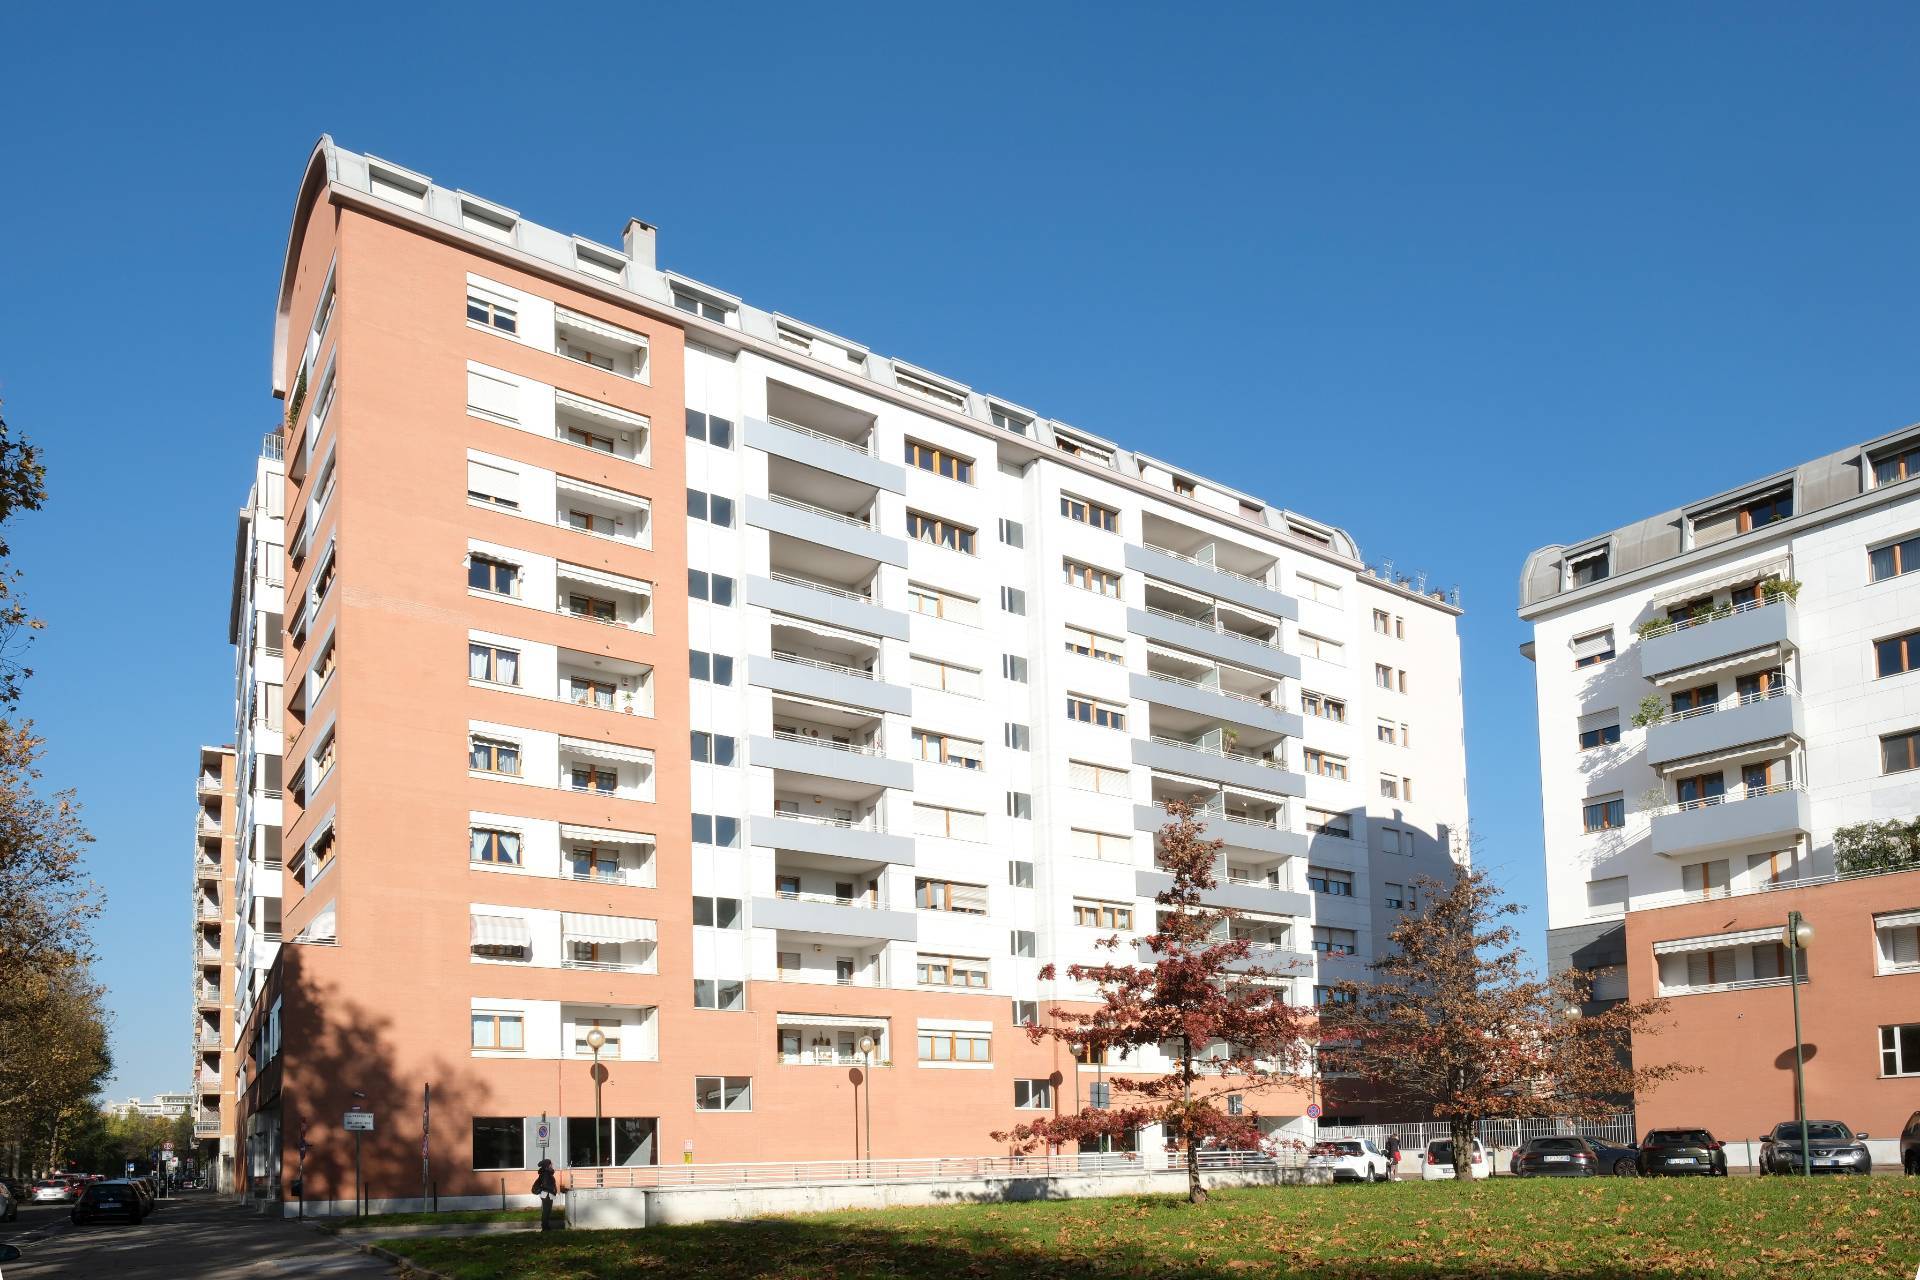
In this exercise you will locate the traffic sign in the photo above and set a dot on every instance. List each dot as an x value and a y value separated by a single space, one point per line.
166 1146
540 1134
359 1121
1313 1111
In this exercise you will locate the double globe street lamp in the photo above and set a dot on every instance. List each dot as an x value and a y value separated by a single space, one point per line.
1796 938
595 1039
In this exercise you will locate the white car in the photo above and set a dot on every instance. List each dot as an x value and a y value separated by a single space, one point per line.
1350 1160
1436 1162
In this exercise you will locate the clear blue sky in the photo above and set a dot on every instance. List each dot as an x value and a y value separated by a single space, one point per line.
1464 279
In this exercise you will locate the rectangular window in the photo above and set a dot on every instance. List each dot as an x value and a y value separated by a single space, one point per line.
495 847
581 605
1607 814
719 993
499 1142
1608 896
1314 589
1320 647
1393 896
1892 468
493 664
1091 644
696 304
955 1046
1079 448
503 1031
1088 578
1588 569
1706 879
1897 655
1102 845
1020 874
1089 711
1018 736
1599 736
1385 677
932 602
1108 780
939 532
930 673
1026 1013
1335 942
1895 559
1389 787
946 895
1013 667
1330 881
1900 752
1020 805
941 748
1326 708
1900 1047
490 755
497 576
492 314
1323 765
714 667
716 829
1012 532
499 486
712 748
1013 600
951 971
715 588
710 427
1086 512
955 824
710 507
1020 943
1326 822
584 691
723 1093
1008 420
1102 915
1590 650
940 462
717 913
926 390
1033 1095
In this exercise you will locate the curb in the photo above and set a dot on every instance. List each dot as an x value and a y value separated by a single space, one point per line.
430 1229
408 1267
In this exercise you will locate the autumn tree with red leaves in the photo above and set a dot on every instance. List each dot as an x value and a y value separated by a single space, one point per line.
1229 1021
1456 1026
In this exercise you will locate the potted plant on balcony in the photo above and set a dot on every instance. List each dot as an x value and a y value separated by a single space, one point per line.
1653 627
1777 588
1653 709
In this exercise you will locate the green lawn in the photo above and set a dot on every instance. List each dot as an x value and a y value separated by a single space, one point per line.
1607 1228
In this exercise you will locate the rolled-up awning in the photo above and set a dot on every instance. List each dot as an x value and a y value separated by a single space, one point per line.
602 835
585 489
583 928
1771 747
1714 942
597 578
602 412
501 931
828 1020
1897 920
565 319
1732 578
606 751
1687 675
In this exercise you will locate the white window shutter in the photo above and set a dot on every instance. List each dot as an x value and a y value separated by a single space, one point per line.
970 826
1905 945
497 483
493 396
969 897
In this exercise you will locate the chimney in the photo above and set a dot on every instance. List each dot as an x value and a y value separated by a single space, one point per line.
637 240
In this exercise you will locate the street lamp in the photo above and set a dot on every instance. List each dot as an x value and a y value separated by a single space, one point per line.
1797 937
595 1039
867 1046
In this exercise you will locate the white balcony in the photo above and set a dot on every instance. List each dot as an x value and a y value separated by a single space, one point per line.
1744 816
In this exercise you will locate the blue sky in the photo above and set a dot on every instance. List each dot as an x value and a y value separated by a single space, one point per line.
1464 279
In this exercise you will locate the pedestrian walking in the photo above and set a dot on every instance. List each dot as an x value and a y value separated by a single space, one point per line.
546 1188
1393 1156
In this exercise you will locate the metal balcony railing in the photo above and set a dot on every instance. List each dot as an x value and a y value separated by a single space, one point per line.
793 580
852 446
855 672
1731 797
1212 688
1209 564
784 501
821 820
603 966
1210 624
814 740
1780 689
827 899
272 446
1222 752
1714 615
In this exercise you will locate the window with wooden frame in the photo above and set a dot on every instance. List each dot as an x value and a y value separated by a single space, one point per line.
1389 787
1700 786
954 824
1388 624
932 602
1763 775
494 485
955 1046
1589 567
950 971
493 846
1326 822
1316 590
593 862
1710 968
1335 942
948 895
1386 677
1091 644
1897 655
1103 582
1331 881
940 462
492 314
1079 448
588 440
1103 846
1901 464
1086 511
492 663
1706 695
1760 685
589 522
1182 486
1320 764
493 755
1592 649
1604 813
1088 914
484 573
1895 559
942 748
1320 647
939 532
1706 879
1091 711
1599 736
1323 706
926 390
610 1029
581 605
1900 752
324 664
589 777
1109 780
504 1032
583 691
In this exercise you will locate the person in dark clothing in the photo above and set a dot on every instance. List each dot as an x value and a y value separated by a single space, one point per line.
1393 1155
546 1188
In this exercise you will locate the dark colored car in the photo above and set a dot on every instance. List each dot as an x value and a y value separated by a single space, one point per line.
1620 1162
1564 1156
116 1198
1910 1145
1682 1153
1833 1148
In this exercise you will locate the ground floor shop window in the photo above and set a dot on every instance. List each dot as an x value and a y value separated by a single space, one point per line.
624 1140
499 1142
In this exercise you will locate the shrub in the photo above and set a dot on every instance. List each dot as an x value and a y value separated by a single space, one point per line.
1653 709
1877 846
1775 587
1654 627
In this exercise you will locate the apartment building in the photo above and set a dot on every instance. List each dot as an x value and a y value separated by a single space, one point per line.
765 711
211 1035
1721 688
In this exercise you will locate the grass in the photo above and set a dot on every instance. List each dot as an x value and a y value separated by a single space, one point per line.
1606 1229
452 1217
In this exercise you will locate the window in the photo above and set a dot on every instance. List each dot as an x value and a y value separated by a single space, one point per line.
1394 735
712 508
1089 711
1314 589
1385 677
503 1031
1102 915
1387 624
1903 464
499 486
1389 787
1700 786
719 993
1087 512
1020 943
930 673
490 755
1330 881
1897 655
955 1046
712 748
1590 650
1323 996
491 845
587 777
1603 735
1020 805
1182 486
584 691
581 605
945 895
1588 569
496 576
932 602
1012 532
491 313
1018 736
1008 420
1703 696
714 588
1079 448
1013 600
716 829
499 1142
1606 814
1033 1095
1102 581
1020 874
939 532
940 462
1026 1013
1320 647
929 390
1108 780
1335 942
1320 763
1707 879
717 913
1091 644
714 667
1013 667
696 304
1393 896
1607 897
1325 822
723 1093
1899 938
1900 752
1102 845
955 824
493 664
710 427
1900 1046
1319 704
1895 559
950 971
941 748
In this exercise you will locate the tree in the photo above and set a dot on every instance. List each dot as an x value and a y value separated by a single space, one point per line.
1229 1024
53 1057
23 487
1892 845
1455 1025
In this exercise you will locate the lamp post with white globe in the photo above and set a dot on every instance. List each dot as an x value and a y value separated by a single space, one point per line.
867 1046
595 1039
1797 936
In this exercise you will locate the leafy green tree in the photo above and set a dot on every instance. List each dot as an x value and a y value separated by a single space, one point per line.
1892 845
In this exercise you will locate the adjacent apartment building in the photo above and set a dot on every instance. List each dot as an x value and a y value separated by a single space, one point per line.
211 1034
1721 688
659 673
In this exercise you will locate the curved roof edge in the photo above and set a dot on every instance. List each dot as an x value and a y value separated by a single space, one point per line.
319 171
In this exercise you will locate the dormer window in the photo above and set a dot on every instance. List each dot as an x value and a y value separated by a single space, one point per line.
1182 486
596 261
927 389
703 305
1744 516
1008 420
397 185
487 219
793 338
1903 463
1080 447
1589 567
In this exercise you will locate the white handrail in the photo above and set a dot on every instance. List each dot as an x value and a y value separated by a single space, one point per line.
1219 751
793 580
1778 689
797 505
1208 564
1731 797
1714 615
826 899
821 820
824 666
852 446
1211 688
814 740
1210 624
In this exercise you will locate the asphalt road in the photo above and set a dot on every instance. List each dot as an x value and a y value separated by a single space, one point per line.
194 1234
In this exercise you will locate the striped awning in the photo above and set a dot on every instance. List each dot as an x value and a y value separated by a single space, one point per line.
500 931
574 321
1689 764
602 835
1714 942
586 489
594 577
606 751
583 928
602 412
1897 920
1732 578
1687 675
828 1020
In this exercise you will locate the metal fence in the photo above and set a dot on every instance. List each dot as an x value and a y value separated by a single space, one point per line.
1617 1129
928 1169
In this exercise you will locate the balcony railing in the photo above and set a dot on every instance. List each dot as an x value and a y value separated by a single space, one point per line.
863 902
1702 618
1780 689
813 740
821 820
797 505
1222 752
272 446
1210 624
618 875
208 826
1213 688
1209 564
207 1039
602 966
1731 797
835 667
852 446
814 978
794 581
209 784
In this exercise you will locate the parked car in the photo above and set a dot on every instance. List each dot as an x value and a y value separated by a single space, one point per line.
1620 1162
9 1205
1682 1153
148 1190
112 1198
1834 1148
52 1191
1910 1145
1436 1162
1560 1156
1350 1160
16 1188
